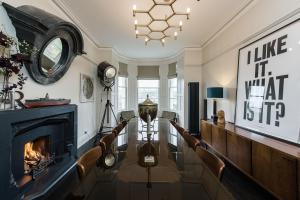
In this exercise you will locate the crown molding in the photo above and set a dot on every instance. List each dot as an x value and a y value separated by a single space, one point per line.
64 8
234 18
75 20
169 59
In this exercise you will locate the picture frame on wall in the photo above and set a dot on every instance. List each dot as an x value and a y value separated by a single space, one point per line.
268 85
87 87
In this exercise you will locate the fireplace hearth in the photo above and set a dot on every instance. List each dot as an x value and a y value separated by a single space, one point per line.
38 148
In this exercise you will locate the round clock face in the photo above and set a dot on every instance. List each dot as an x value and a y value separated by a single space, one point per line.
88 88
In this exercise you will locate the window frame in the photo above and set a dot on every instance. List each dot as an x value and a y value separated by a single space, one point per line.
169 94
126 93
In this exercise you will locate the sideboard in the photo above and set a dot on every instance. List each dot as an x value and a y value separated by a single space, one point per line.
273 164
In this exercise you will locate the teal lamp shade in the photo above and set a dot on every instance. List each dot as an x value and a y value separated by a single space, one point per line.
215 92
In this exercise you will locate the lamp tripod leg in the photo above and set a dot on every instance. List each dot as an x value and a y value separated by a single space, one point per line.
110 105
101 128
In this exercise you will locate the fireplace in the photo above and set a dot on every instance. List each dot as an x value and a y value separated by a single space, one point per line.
37 157
41 148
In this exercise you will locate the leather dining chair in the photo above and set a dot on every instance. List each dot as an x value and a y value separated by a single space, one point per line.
214 163
119 128
106 141
192 141
88 160
169 115
86 166
178 128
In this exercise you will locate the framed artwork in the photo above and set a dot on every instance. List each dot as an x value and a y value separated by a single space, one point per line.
86 88
268 85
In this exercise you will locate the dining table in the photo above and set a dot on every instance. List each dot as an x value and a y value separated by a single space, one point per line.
178 174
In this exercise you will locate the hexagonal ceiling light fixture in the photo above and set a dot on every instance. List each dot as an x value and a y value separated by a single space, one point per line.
168 17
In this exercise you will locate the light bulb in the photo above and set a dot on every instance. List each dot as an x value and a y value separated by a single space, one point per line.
136 22
175 35
188 10
146 39
163 41
134 7
180 23
136 32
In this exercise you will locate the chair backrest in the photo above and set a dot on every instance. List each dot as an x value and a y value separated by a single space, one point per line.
127 115
88 160
119 128
178 128
214 163
169 115
192 141
106 141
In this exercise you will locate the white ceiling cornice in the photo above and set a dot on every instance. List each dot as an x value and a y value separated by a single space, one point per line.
76 21
61 5
239 14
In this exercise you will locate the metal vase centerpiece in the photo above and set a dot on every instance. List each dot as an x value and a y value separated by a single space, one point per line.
148 112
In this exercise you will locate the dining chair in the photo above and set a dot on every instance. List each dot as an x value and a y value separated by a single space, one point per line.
106 141
214 163
87 161
127 115
119 128
169 115
191 140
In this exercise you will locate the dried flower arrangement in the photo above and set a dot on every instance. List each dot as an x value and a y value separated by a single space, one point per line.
13 55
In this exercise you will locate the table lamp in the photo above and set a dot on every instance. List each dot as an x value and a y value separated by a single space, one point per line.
215 93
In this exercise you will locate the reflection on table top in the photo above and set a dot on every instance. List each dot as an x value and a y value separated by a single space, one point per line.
180 173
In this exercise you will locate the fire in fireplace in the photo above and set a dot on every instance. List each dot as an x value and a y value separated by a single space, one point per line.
37 156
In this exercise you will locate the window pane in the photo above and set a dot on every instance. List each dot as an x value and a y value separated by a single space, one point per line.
148 83
122 93
148 87
173 82
173 92
122 81
122 104
173 104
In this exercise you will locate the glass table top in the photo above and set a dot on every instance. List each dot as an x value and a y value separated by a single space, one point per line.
178 174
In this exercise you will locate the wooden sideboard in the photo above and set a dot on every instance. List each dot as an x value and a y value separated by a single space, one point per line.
273 164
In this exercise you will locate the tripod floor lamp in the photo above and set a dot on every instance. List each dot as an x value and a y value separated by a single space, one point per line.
106 74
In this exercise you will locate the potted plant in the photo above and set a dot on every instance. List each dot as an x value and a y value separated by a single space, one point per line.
13 55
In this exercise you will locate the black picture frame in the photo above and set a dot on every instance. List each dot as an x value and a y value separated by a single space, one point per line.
237 82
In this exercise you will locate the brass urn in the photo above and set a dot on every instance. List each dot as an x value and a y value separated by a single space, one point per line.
147 107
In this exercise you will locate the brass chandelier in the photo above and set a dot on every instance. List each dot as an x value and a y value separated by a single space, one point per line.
153 19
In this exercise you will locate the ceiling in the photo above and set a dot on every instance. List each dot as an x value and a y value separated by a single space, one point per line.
111 24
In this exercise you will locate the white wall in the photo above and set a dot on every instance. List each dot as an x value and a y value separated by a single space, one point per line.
69 86
220 57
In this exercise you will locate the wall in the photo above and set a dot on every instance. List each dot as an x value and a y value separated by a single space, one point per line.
220 56
69 86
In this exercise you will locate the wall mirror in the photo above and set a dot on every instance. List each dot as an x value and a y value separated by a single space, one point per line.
58 42
51 56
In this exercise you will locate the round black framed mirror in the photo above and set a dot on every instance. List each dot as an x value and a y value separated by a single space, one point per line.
51 56
58 42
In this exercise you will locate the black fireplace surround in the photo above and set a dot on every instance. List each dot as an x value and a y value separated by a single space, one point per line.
58 127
